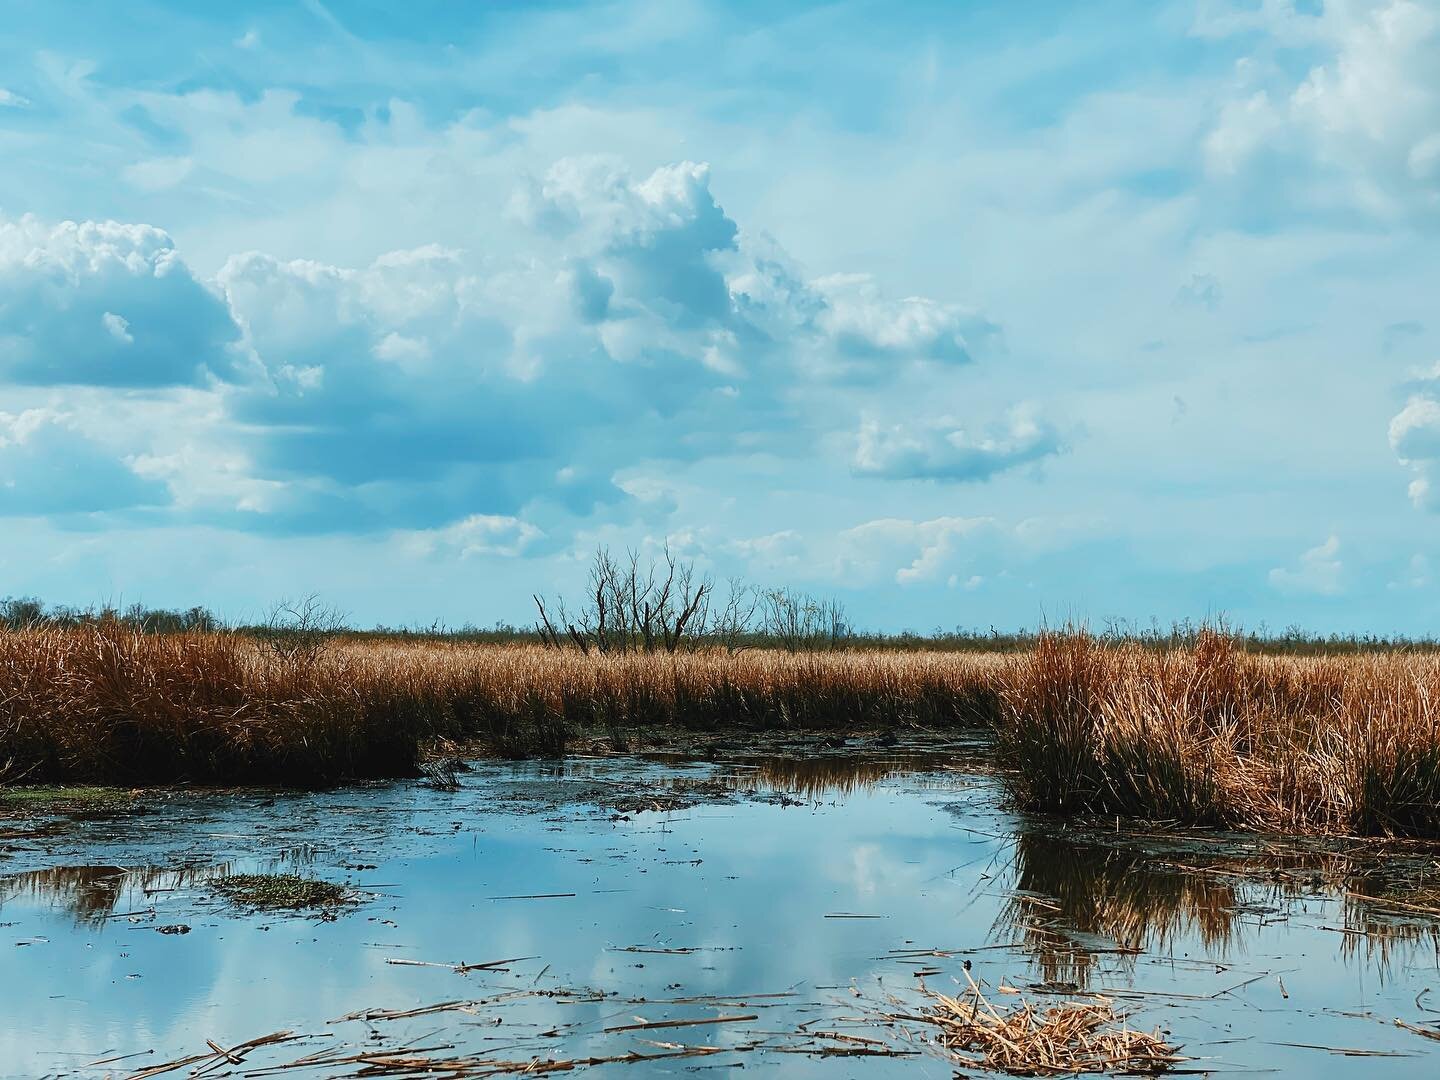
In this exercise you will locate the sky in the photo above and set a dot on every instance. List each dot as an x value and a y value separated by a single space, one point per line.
967 314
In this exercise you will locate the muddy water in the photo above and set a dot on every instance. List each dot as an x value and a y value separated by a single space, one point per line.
798 900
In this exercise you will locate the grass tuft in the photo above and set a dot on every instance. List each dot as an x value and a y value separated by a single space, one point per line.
1212 735
280 891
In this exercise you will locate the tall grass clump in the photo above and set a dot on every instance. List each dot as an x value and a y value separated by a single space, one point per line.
107 703
1208 734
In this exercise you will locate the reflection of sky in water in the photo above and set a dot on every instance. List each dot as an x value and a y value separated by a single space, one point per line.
748 882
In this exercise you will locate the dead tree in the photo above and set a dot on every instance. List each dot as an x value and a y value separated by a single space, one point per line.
298 632
729 623
800 622
633 606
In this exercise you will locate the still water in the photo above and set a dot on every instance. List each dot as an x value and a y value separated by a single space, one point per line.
786 903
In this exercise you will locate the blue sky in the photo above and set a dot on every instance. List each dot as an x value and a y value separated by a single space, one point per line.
966 313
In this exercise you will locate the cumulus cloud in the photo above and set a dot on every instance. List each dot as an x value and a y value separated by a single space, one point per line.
1415 438
48 465
435 383
942 449
477 535
918 551
11 100
436 388
778 551
866 326
106 304
1317 572
960 552
1362 125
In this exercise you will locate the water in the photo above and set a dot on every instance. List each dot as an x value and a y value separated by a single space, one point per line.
800 894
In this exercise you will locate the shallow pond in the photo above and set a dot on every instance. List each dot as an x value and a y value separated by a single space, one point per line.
574 911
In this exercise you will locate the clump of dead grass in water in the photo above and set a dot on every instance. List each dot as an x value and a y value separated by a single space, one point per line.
1210 735
1060 1040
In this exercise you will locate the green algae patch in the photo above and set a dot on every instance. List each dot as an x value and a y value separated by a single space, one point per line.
75 801
281 892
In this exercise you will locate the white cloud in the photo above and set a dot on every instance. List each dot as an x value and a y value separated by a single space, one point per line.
66 290
118 327
1362 128
864 325
1415 438
11 100
916 552
942 449
158 174
635 324
1419 574
476 536
1318 571
50 466
778 551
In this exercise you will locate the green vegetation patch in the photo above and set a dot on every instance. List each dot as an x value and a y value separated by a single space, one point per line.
281 891
57 799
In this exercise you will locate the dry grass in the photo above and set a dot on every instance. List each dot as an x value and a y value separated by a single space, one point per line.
1062 1040
105 703
1205 734
1210 735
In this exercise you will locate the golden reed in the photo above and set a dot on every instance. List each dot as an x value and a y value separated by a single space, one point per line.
1201 734
1212 735
105 703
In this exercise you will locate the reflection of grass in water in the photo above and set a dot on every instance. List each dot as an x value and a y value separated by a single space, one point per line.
1147 899
1383 935
1391 908
1108 893
91 893
817 776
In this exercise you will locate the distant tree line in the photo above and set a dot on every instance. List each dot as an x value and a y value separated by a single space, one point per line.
665 605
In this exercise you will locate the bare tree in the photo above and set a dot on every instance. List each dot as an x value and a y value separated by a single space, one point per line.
730 622
801 622
299 631
549 635
632 606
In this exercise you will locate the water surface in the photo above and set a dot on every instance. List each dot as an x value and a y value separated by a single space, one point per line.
807 895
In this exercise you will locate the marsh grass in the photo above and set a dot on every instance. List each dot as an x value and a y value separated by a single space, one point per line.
1201 734
108 703
1212 735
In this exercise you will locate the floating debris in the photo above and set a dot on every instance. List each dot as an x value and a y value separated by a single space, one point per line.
1076 1037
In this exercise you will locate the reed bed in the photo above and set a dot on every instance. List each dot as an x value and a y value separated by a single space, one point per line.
1212 735
1205 734
106 703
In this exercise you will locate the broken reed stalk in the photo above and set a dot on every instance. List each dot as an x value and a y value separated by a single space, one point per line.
1061 1040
